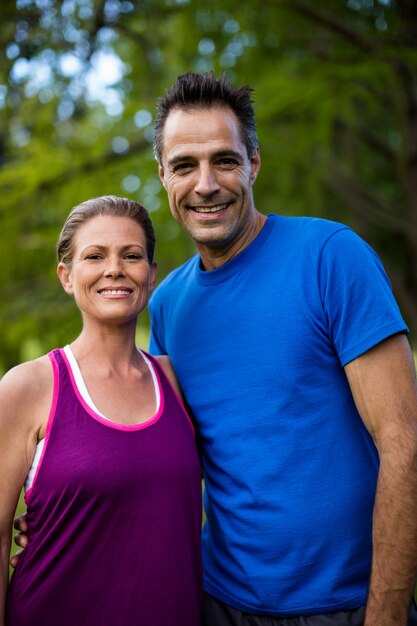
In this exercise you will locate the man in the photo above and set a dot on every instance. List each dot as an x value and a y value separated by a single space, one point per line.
292 355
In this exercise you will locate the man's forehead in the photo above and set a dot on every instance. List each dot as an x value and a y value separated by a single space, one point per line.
202 110
215 129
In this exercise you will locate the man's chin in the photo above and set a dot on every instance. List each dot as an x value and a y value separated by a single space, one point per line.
215 240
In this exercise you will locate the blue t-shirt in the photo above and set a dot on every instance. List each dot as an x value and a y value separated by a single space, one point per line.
259 346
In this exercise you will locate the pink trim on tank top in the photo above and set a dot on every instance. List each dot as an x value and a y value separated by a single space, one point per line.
51 417
181 403
107 422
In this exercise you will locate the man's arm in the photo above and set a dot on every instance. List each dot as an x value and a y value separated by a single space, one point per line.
384 388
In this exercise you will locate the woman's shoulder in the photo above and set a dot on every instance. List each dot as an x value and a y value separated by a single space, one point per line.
25 398
27 382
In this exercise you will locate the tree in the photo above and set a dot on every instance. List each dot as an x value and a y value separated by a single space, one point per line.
336 102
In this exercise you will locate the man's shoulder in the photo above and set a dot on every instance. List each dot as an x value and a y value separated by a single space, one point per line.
305 226
174 280
308 235
179 274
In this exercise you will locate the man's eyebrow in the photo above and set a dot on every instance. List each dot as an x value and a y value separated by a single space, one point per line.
228 153
180 158
216 155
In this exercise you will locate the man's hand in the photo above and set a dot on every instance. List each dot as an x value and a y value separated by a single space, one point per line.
20 539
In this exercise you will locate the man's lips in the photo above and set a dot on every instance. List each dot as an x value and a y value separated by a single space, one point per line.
210 209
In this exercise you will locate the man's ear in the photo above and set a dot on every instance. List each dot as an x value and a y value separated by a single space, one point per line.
255 163
161 173
64 275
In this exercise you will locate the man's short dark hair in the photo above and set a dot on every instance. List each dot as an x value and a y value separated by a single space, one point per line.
193 91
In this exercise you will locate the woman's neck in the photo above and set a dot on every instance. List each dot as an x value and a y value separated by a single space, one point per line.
112 348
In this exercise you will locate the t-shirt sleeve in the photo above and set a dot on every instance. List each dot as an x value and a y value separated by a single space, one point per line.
357 297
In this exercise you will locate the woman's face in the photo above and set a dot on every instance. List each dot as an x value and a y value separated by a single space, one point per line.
110 276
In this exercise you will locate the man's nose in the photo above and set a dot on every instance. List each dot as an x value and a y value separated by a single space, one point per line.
206 183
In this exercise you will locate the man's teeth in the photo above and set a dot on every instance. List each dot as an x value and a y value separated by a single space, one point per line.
114 292
210 209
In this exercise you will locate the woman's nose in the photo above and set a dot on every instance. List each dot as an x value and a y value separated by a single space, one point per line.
115 266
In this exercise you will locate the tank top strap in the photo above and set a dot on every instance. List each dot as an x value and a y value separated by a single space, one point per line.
66 399
58 360
62 373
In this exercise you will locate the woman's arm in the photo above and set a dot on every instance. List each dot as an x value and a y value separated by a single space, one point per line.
25 392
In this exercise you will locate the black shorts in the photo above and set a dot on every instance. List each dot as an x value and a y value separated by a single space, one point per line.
218 614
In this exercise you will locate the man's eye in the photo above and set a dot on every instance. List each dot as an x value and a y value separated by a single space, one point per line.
227 162
182 168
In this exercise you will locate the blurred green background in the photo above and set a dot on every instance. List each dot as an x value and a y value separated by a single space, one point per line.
336 103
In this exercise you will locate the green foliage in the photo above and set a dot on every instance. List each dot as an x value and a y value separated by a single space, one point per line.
336 103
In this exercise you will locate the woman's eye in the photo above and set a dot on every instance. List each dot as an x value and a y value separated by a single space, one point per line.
133 256
94 257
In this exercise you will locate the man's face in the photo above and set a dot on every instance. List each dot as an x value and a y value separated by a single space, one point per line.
208 175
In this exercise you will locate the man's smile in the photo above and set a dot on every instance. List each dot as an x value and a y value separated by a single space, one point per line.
210 209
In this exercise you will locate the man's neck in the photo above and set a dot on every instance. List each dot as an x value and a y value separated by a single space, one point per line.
213 257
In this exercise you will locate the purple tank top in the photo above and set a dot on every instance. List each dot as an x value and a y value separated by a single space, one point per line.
114 518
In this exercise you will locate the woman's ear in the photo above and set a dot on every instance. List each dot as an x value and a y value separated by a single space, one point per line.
153 275
64 275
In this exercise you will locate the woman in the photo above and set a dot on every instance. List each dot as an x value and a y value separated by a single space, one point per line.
105 449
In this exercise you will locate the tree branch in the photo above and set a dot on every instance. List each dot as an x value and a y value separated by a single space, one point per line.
90 166
69 173
372 140
330 21
369 205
